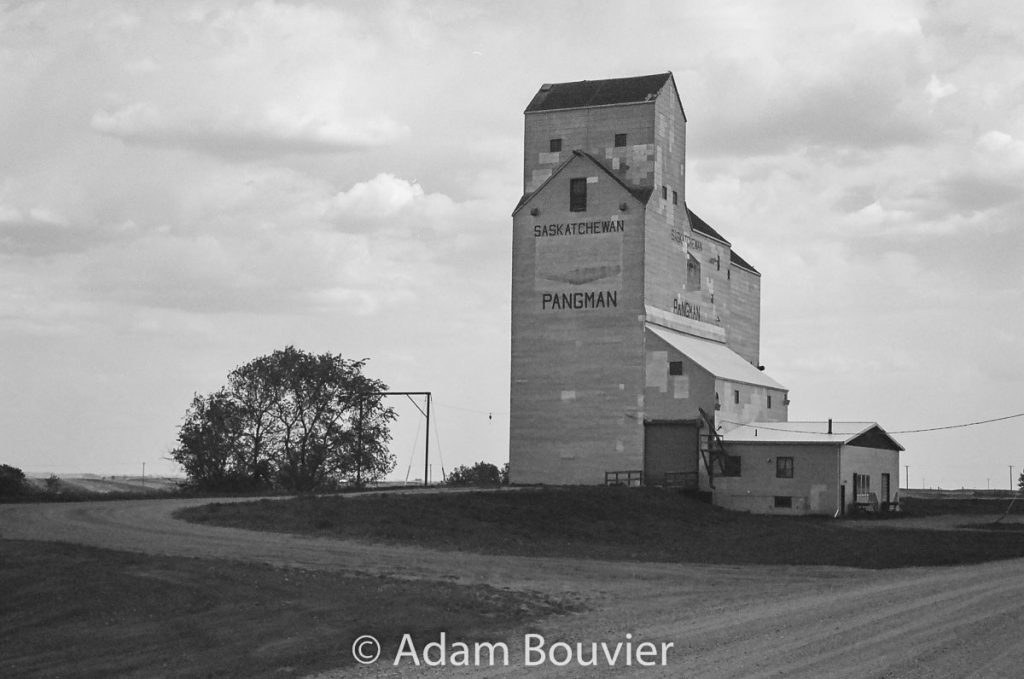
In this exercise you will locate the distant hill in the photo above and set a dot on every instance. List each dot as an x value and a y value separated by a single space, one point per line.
94 483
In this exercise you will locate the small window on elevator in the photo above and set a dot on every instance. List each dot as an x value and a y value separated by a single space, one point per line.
620 139
675 367
555 145
578 194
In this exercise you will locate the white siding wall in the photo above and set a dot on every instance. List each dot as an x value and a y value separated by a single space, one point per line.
871 461
814 487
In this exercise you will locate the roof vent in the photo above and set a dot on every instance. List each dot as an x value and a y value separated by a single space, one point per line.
545 87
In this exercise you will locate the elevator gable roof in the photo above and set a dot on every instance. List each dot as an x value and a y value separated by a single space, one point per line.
641 193
715 357
587 93
700 226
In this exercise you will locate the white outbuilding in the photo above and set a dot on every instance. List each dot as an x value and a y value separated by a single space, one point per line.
828 468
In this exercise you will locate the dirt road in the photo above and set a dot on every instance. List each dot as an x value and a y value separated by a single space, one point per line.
722 621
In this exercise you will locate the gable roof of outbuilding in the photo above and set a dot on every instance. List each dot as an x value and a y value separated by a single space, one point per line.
863 434
609 92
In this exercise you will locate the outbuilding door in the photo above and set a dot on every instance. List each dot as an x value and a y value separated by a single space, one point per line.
671 451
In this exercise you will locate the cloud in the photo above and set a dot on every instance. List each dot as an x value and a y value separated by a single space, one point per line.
41 232
286 245
386 196
278 131
937 89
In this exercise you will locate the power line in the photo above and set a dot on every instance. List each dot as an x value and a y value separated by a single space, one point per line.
470 410
904 431
959 426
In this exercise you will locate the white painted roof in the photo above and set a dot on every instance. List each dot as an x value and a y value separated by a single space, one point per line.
715 357
796 432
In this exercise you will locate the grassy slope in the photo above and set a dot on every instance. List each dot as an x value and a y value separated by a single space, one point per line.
609 523
68 610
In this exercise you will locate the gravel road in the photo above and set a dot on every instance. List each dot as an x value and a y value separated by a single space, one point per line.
723 621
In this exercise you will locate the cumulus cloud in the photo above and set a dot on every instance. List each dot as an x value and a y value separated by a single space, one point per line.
277 131
386 196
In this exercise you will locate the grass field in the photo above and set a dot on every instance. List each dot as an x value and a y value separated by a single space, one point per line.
612 523
107 613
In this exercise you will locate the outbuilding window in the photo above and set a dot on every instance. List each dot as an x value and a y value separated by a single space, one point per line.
731 465
675 198
783 467
675 367
736 396
783 502
769 401
620 139
578 194
861 484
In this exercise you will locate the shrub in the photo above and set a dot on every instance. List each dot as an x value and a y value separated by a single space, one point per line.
12 481
480 474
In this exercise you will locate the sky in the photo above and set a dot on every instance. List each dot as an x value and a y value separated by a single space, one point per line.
185 186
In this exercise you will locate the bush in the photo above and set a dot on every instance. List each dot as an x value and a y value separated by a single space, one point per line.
12 481
480 474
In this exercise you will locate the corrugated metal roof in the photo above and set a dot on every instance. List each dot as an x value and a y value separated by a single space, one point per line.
802 432
586 93
715 357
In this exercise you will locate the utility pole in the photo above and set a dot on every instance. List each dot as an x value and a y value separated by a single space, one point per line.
1011 477
426 447
907 467
144 474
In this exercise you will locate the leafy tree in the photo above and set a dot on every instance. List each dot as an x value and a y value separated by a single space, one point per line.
1020 482
291 419
12 480
211 443
480 474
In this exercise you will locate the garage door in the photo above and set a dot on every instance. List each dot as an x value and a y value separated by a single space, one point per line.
671 448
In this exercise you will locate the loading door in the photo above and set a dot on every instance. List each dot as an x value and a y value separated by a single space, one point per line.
671 452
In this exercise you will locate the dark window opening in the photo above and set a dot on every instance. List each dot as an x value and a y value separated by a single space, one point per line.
675 198
769 401
578 194
664 192
675 368
736 396
861 485
620 139
692 272
783 502
783 467
555 145
732 465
